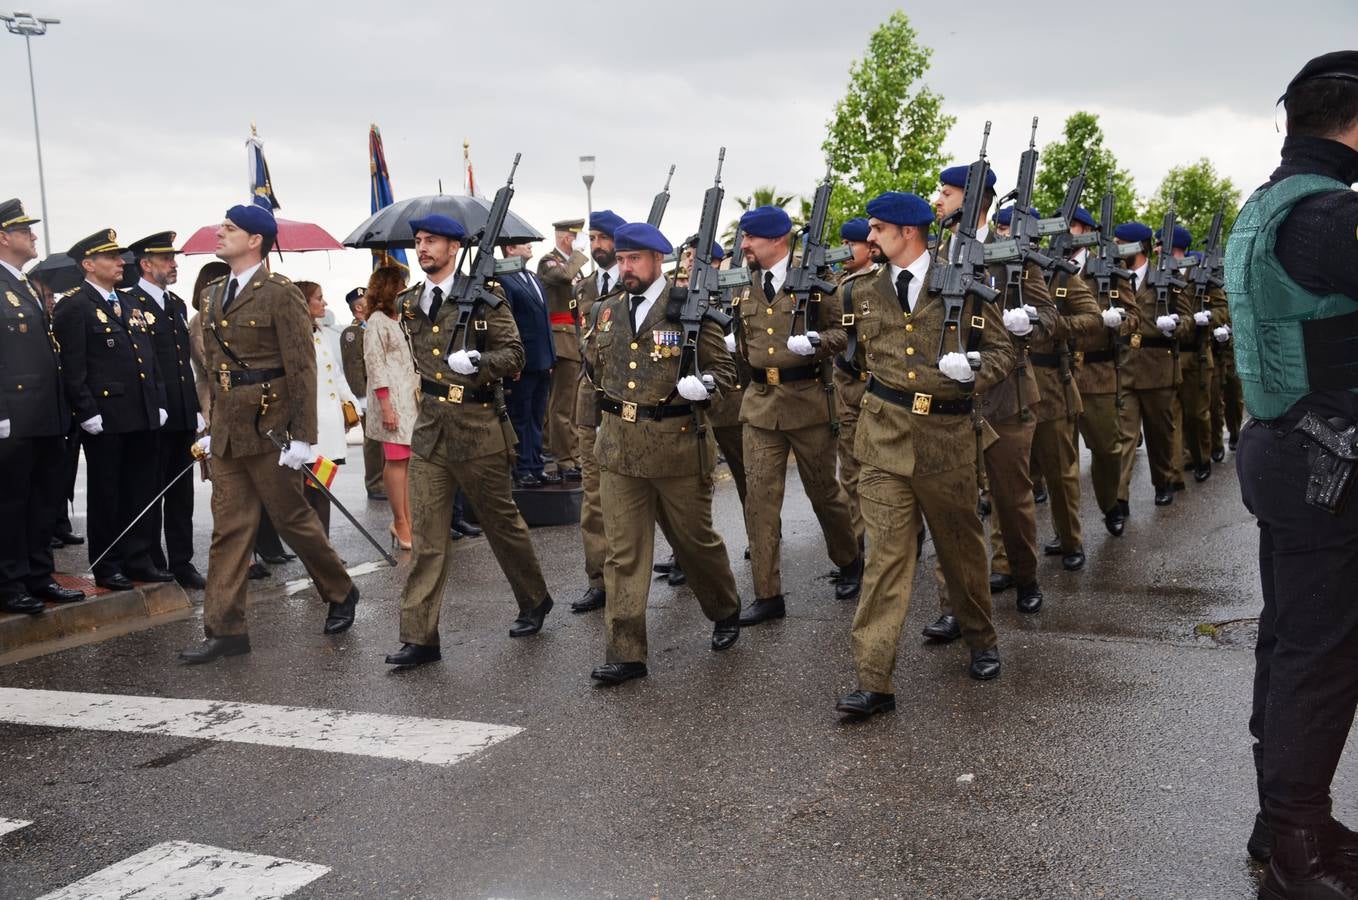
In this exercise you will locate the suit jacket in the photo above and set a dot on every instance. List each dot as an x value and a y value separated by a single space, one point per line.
559 276
528 303
108 362
32 395
1151 363
169 329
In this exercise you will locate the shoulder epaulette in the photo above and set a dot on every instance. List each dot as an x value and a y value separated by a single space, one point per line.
279 279
215 281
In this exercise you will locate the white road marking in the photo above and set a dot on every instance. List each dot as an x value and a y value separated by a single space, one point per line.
177 869
297 585
8 825
440 742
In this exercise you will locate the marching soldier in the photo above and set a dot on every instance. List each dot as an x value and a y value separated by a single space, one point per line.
724 416
559 271
34 418
851 378
788 406
258 353
1226 398
917 443
166 317
356 375
602 226
654 454
108 364
460 442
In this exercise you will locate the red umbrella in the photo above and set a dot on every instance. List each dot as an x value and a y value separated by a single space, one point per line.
293 237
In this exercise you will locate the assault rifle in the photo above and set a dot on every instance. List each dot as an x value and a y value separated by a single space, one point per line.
1103 266
1206 275
704 280
964 274
661 201
1065 243
806 276
475 287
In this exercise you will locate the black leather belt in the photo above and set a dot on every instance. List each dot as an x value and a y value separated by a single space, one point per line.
1045 360
1166 343
457 393
1098 356
631 412
775 375
850 369
918 403
232 378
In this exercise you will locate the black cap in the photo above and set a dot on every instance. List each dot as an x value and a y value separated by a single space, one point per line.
353 295
1342 64
12 215
160 242
105 241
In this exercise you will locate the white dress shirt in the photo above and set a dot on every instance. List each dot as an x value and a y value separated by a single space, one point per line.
1139 275
650 294
19 276
918 270
427 298
612 279
156 292
1079 258
779 272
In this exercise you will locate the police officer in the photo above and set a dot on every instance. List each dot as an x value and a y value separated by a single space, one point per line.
559 271
527 391
166 317
655 454
356 375
1292 282
259 355
851 378
459 442
109 367
34 418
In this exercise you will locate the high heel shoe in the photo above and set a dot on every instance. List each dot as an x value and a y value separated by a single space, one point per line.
396 542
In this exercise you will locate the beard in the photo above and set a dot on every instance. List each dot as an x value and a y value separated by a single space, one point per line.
604 258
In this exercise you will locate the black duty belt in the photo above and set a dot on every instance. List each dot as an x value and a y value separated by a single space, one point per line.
631 412
1045 360
457 393
918 403
848 368
1166 343
1098 356
775 375
234 378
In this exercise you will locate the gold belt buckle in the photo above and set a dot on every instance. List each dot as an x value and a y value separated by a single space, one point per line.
922 404
224 380
455 393
772 375
1136 342
629 411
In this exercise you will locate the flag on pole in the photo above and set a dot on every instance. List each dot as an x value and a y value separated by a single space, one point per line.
324 470
261 187
382 197
470 180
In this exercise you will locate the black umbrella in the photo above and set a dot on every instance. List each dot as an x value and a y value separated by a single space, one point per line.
60 274
389 227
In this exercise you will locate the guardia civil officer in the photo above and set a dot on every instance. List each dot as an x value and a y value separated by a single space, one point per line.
1292 281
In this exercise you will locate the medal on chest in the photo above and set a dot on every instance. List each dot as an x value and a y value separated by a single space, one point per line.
664 344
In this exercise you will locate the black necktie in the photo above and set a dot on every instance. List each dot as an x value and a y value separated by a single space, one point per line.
903 289
604 290
435 301
230 294
768 286
637 300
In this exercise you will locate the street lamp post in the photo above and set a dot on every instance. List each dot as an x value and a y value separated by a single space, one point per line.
587 175
30 26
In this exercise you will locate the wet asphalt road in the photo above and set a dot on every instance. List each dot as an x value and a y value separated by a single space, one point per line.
1111 759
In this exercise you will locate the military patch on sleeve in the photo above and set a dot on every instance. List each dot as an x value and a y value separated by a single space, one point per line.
349 337
552 262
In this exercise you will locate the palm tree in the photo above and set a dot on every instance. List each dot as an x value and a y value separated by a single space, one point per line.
767 195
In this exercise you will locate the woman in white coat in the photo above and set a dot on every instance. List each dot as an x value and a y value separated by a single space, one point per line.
332 392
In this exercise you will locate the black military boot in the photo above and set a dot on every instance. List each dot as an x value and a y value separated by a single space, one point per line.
762 610
850 580
1307 864
1260 844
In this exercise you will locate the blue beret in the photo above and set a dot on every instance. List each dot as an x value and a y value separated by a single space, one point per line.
1196 254
253 219
1182 237
1130 232
766 222
899 208
441 225
718 254
640 236
606 221
854 230
957 177
1006 215
1083 216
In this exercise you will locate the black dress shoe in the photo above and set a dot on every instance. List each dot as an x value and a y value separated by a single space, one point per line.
1029 598
616 673
592 599
189 577
1232 441
56 593
455 535
1218 454
1180 486
850 580
983 506
1114 521
572 475
377 495
277 560
1202 473
257 571
663 567
1260 844
527 481
550 478
763 610
215 648
1073 561
1000 582
149 574
341 615
985 664
22 603
944 630
726 632
1164 496
861 704
55 543
747 552
71 539
531 621
1039 493
414 655
1308 863
675 576
1126 508
1053 548
466 529
115 582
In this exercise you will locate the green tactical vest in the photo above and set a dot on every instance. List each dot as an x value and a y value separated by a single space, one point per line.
1267 306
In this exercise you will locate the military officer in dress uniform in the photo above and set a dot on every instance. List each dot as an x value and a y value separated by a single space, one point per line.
851 379
34 418
459 442
917 442
166 317
724 415
259 356
356 375
789 406
602 225
655 453
559 272
108 364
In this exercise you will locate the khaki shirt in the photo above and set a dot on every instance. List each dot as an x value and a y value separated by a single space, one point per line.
351 358
1077 318
1100 376
558 276
1150 364
1200 345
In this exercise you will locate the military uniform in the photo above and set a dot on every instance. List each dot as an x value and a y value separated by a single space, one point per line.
586 421
851 382
1227 407
351 361
560 275
1197 361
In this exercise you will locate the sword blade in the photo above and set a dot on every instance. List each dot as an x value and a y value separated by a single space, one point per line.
137 517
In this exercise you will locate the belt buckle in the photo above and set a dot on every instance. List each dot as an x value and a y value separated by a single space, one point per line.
455 393
772 375
922 404
224 380
629 411
1136 342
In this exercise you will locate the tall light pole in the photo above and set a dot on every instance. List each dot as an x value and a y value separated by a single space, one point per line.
587 175
30 26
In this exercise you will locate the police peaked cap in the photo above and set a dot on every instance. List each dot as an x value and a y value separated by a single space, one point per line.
162 242
105 241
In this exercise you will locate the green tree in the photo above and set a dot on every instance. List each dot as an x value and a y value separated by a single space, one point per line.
1060 161
1198 193
888 129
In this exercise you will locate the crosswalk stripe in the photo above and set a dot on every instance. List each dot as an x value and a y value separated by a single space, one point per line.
297 585
414 738
8 825
179 869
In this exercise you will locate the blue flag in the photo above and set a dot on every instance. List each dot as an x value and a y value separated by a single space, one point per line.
382 197
261 187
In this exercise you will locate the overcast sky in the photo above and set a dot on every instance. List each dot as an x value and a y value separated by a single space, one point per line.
145 105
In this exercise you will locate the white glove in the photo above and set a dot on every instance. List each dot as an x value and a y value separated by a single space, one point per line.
298 454
202 423
956 367
1167 324
4 429
463 362
163 416
800 344
205 444
1202 317
730 343
1112 317
1222 333
692 388
1018 323
93 425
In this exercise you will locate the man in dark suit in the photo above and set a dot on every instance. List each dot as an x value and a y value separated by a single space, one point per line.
526 393
166 317
109 368
34 417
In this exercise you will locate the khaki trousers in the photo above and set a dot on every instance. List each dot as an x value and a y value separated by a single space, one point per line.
1102 434
591 510
433 484
848 464
561 435
731 442
1152 410
373 462
1227 404
1059 461
1195 432
1011 492
239 485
